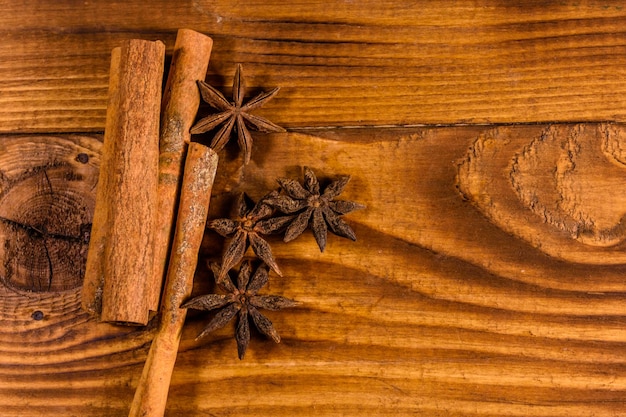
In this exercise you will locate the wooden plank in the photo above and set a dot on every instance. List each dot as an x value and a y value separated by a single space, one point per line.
440 308
338 63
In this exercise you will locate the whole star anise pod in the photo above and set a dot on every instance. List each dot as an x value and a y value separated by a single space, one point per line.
309 206
249 222
241 299
234 113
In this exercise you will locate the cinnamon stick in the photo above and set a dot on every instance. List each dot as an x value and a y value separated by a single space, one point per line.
93 283
125 217
198 176
190 61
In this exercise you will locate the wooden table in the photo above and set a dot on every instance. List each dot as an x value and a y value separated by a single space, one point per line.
489 274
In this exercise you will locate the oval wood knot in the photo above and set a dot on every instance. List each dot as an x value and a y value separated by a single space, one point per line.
570 177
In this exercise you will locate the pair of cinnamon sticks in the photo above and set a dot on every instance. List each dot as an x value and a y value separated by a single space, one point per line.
152 181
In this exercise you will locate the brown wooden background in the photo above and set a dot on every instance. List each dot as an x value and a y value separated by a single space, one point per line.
489 274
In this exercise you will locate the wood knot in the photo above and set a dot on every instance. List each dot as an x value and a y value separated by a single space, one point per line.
560 188
47 194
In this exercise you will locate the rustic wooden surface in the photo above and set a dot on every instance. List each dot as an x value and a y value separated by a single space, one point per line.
488 274
340 63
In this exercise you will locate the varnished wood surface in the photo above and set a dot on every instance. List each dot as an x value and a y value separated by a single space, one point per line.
488 275
438 309
366 63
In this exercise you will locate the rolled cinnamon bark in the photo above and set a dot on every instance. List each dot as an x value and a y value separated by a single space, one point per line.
93 283
190 61
198 176
125 215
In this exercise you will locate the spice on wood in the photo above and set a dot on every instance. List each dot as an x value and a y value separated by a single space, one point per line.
235 114
250 221
241 299
310 207
121 254
198 177
190 60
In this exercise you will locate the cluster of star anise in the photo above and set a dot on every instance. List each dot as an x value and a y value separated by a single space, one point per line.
291 209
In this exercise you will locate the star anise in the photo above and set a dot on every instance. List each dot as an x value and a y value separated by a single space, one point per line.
249 223
243 300
309 206
234 113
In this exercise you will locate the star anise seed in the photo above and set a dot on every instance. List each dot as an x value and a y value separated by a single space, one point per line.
308 207
249 223
241 299
234 114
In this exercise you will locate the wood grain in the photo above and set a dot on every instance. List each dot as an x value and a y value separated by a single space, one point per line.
339 63
438 309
